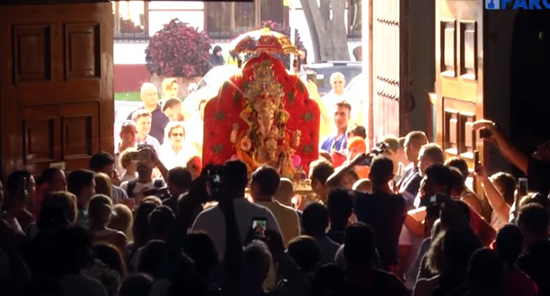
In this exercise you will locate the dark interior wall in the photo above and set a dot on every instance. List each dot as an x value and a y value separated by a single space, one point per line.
422 59
498 29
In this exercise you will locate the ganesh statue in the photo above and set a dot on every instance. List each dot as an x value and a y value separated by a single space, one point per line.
263 116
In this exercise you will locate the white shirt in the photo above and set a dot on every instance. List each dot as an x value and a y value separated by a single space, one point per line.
171 159
212 221
194 132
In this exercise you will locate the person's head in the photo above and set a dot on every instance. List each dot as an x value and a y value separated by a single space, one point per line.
143 119
126 160
149 95
356 146
320 171
161 221
485 272
330 280
533 220
140 228
150 259
543 151
506 185
363 185
401 154
16 184
315 219
100 210
535 198
430 154
451 250
54 179
72 250
111 256
145 167
82 184
236 175
137 284
305 251
217 51
381 171
460 164
357 131
172 108
128 133
393 146
349 179
257 261
509 243
285 192
437 179
170 88
342 111
175 133
359 246
121 218
103 184
265 181
413 142
179 181
201 248
338 82
65 202
358 53
339 206
103 162
457 182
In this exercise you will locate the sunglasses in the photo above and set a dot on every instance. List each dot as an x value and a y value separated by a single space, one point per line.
177 134
338 82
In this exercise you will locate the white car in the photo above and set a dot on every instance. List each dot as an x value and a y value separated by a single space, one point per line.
208 87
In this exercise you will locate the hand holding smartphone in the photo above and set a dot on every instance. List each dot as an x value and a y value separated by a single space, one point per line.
259 226
523 187
476 160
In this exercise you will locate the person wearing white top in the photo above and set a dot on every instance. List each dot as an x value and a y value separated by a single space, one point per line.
175 151
211 221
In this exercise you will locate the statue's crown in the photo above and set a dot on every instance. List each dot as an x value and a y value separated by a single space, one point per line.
263 83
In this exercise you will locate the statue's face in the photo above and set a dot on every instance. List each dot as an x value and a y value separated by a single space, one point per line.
265 120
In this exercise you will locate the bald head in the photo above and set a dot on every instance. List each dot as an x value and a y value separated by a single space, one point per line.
285 192
149 95
338 82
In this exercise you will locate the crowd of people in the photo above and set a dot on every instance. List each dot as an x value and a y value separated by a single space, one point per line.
396 219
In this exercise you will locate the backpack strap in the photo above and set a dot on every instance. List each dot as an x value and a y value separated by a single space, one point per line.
130 189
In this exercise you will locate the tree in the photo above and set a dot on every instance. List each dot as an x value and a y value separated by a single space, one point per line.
328 30
178 50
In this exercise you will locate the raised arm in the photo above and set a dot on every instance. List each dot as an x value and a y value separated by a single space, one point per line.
516 157
496 200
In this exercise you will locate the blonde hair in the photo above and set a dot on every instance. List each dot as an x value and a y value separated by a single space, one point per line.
103 184
65 200
168 82
121 219
126 157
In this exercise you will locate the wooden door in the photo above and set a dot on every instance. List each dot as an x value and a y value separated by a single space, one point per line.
390 69
56 81
459 75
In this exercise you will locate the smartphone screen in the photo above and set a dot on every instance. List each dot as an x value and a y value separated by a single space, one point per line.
523 186
476 157
259 225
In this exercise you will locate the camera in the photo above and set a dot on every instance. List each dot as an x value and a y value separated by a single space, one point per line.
379 149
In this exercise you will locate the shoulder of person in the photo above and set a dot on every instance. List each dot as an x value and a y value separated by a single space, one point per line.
124 185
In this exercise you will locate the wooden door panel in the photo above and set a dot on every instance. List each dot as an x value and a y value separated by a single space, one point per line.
56 86
32 54
459 75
